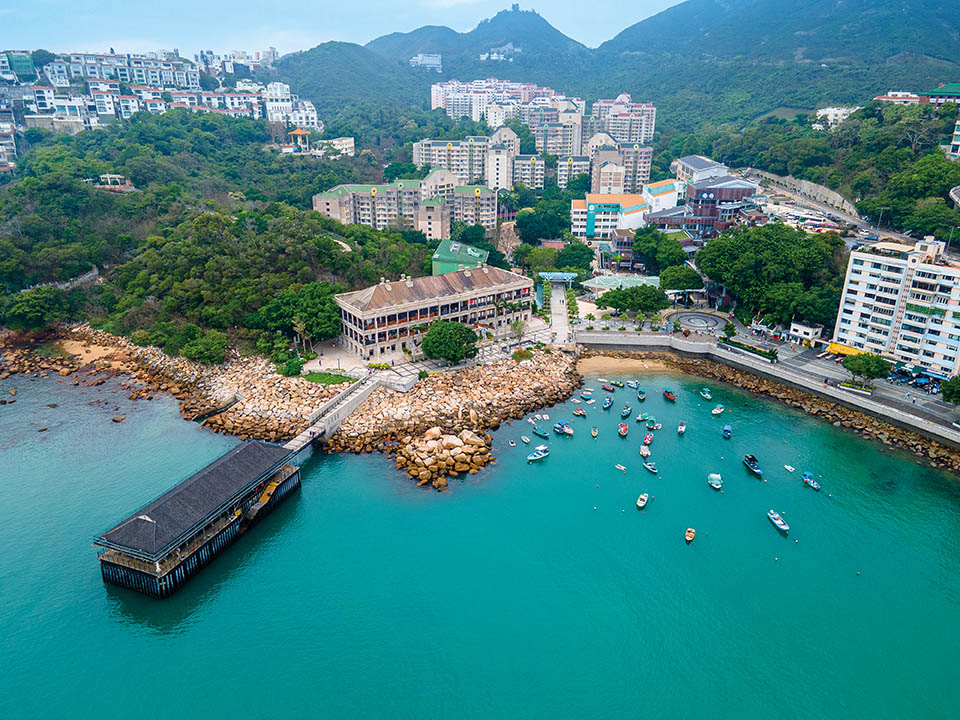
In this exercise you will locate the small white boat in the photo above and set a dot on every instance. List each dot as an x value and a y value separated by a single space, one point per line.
546 417
540 453
632 384
591 401
531 421
718 410
576 400
602 380
642 501
645 451
658 426
715 481
538 416
651 466
525 439
621 468
778 522
513 443
789 468
681 428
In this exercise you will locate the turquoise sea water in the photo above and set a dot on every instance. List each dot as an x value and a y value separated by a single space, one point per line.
525 591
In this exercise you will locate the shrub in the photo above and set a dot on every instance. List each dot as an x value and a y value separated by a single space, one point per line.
140 337
291 368
423 375
209 348
522 354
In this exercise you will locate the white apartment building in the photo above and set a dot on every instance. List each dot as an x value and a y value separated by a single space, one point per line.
625 120
529 170
281 106
467 159
568 168
558 138
495 90
124 68
903 302
427 62
610 178
498 113
499 168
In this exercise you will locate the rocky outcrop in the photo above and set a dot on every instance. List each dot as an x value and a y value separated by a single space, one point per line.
938 454
438 429
259 402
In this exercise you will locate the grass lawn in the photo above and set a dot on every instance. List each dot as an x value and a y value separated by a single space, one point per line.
327 378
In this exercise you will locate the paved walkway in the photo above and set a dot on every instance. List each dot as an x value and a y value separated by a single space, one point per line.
559 320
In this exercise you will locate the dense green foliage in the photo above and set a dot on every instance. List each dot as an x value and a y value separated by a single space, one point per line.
951 390
450 341
680 277
209 348
575 254
866 365
36 309
642 298
657 250
778 271
217 231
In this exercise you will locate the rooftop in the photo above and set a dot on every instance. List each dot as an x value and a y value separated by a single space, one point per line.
460 253
615 282
435 287
158 528
698 162
724 181
950 89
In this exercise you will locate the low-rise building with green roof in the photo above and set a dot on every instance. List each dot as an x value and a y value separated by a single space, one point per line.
453 256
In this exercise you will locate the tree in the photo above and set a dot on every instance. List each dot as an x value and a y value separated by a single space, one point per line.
450 341
641 298
516 328
729 329
680 277
541 258
575 254
951 390
209 348
657 250
37 309
866 365
42 57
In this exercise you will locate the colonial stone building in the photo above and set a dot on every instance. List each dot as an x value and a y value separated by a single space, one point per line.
386 321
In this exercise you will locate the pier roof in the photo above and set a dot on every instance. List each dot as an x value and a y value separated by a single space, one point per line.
158 528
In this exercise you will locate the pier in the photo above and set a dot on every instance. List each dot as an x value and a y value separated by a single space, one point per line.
169 540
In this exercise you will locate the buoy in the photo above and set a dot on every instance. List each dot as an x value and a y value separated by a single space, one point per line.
796 541
594 507
776 559
858 572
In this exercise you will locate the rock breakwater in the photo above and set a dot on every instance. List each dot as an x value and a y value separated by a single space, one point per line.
936 453
438 429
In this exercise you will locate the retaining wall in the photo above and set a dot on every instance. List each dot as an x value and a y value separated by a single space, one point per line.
743 360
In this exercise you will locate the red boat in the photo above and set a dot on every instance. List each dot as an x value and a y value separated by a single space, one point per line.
607 388
669 394
648 438
623 429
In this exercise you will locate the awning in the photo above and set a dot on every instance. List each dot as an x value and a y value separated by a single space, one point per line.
937 376
838 349
899 364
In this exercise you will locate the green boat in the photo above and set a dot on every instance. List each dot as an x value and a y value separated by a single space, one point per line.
651 423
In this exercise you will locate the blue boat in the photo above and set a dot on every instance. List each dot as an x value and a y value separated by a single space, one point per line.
608 403
705 394
539 454
540 433
810 482
562 428
626 411
753 465
641 394
727 431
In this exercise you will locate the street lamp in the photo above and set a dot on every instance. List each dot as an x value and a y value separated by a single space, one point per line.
880 218
951 237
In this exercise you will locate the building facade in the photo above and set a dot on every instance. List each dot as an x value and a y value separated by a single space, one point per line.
570 167
529 170
597 216
903 302
467 158
388 320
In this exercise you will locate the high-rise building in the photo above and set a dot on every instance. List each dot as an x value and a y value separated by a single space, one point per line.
570 167
465 158
903 302
558 138
529 170
626 121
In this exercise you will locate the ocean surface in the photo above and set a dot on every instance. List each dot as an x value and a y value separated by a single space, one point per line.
524 591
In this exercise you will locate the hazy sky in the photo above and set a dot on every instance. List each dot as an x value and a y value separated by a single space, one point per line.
192 25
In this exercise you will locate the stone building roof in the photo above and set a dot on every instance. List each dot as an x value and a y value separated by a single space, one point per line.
436 287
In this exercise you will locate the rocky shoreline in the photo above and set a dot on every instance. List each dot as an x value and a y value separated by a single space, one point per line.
937 454
248 397
438 430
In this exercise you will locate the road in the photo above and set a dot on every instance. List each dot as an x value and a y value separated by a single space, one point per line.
857 222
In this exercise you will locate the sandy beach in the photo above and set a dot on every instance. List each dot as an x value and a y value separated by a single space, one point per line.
613 366
89 353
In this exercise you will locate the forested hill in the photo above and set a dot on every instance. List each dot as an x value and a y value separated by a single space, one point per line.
700 61
821 31
218 227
